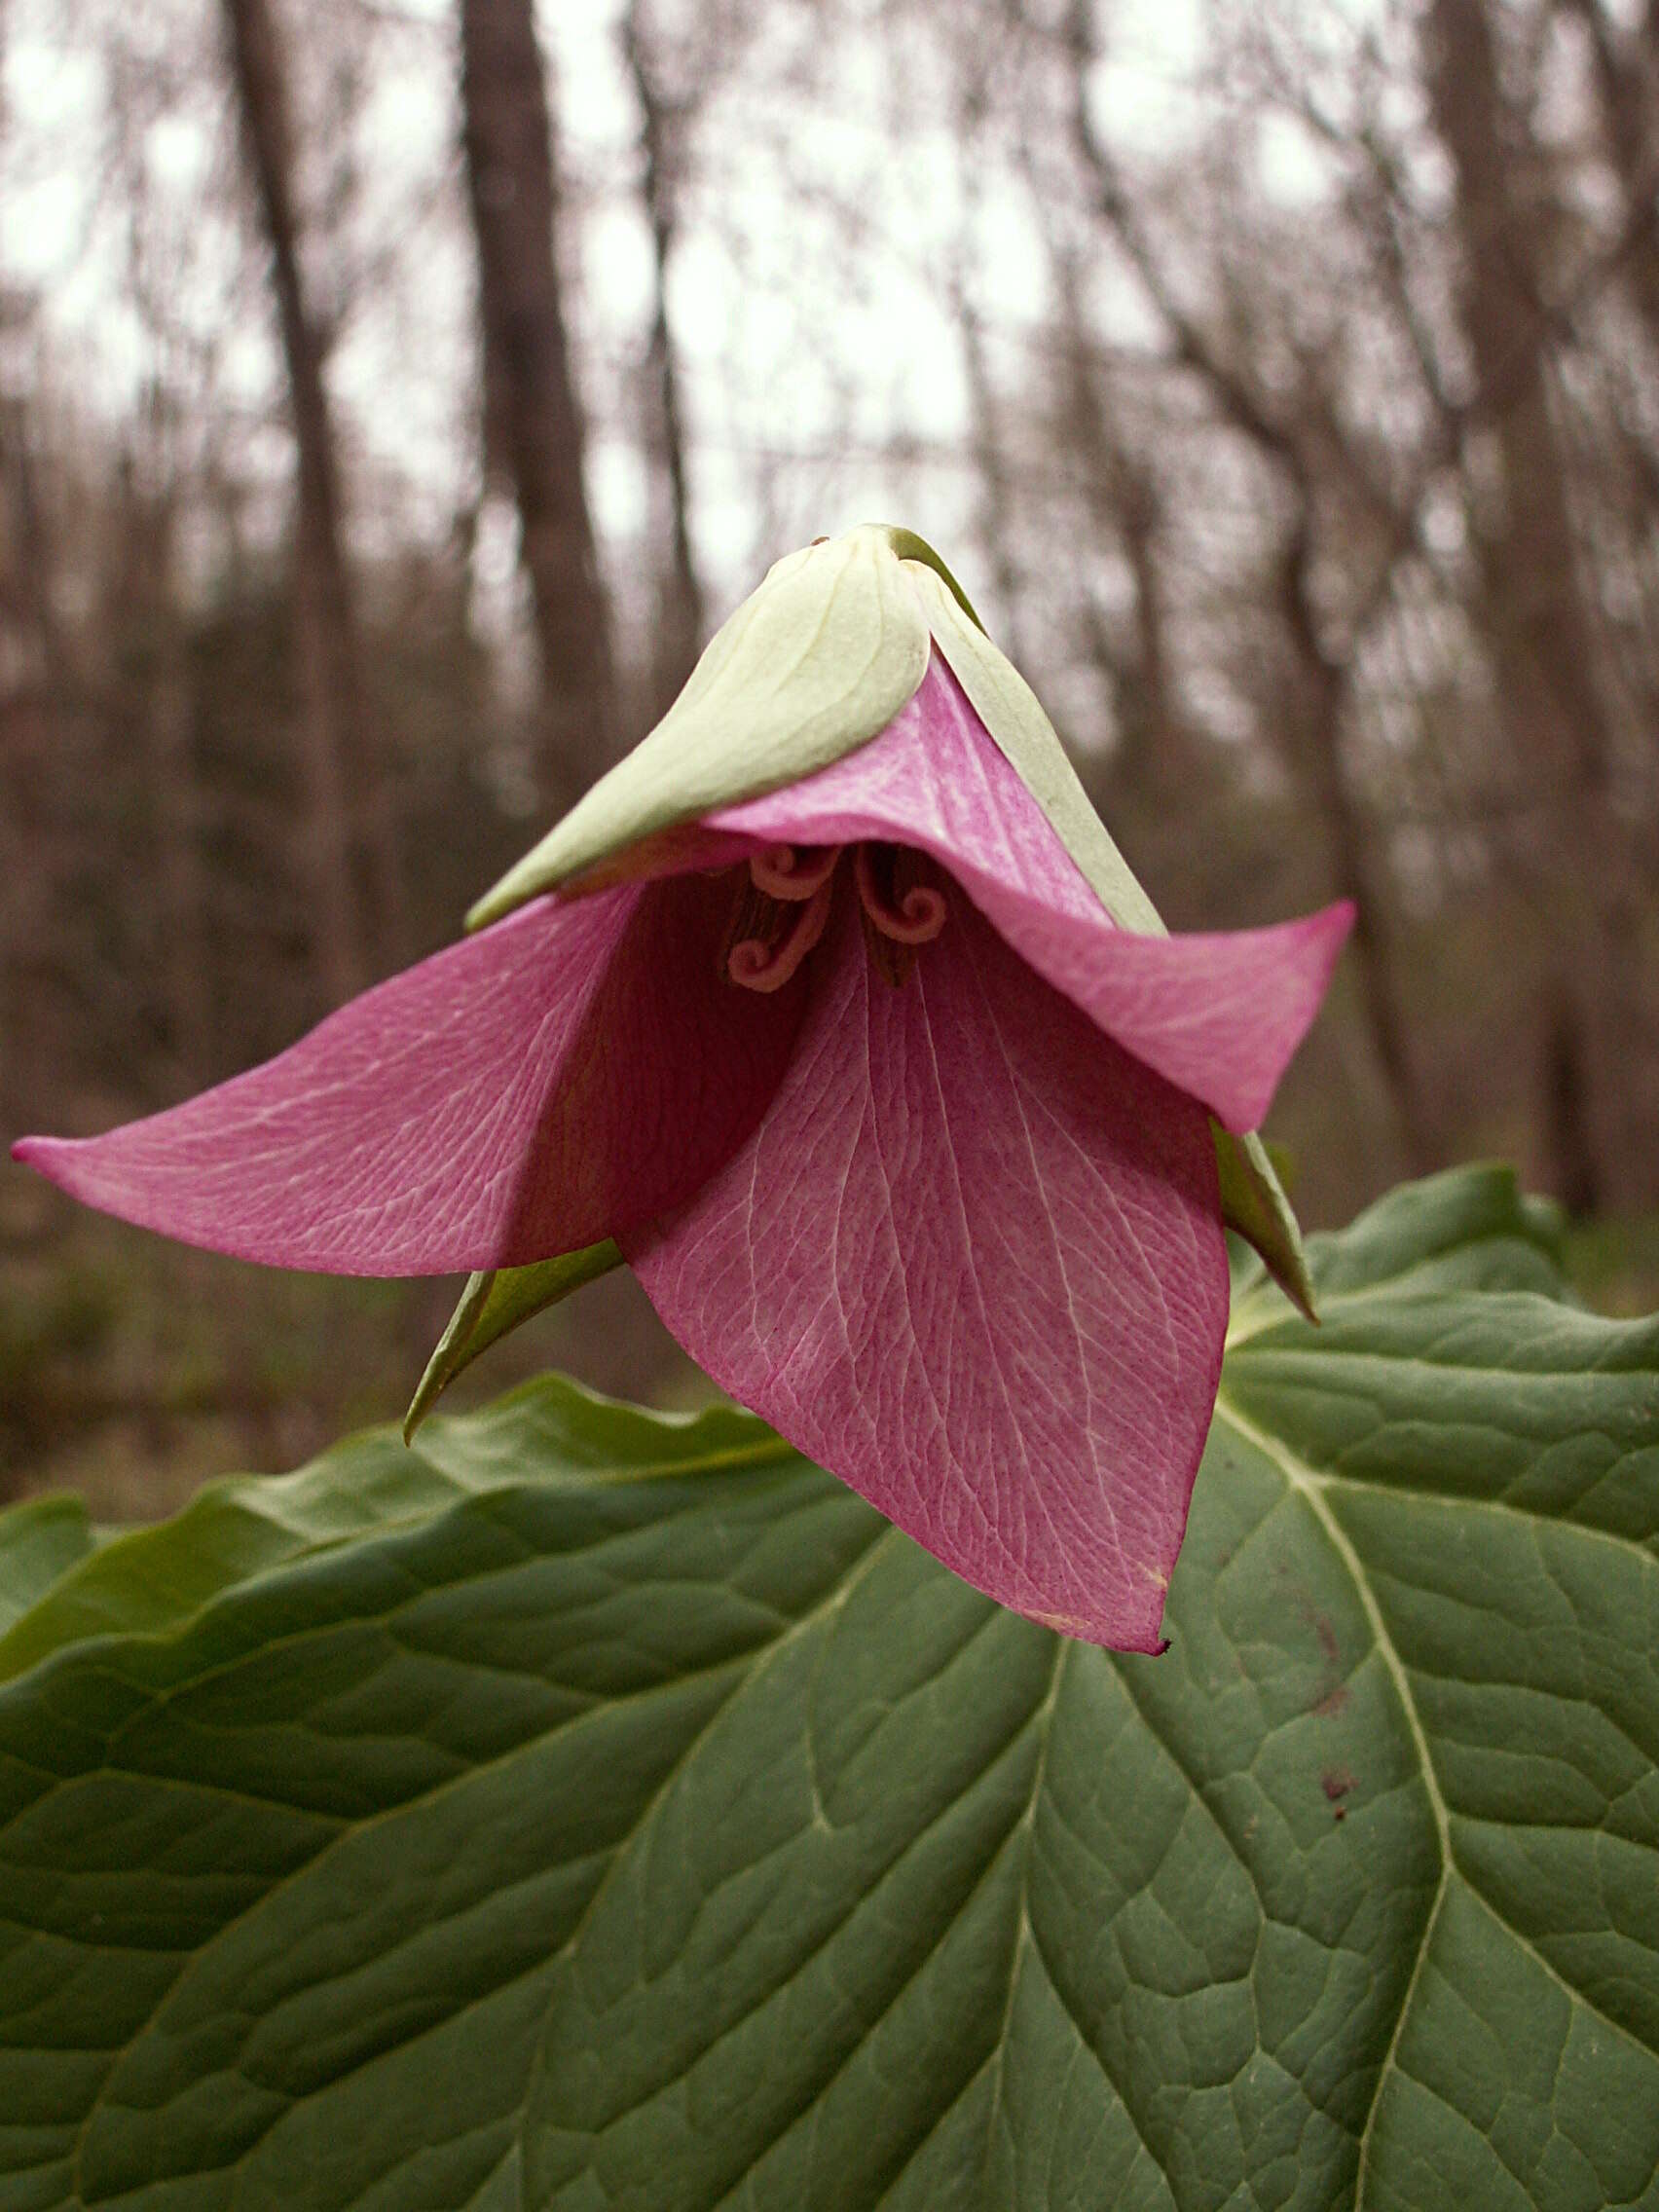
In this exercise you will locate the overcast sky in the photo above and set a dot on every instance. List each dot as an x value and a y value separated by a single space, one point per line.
798 345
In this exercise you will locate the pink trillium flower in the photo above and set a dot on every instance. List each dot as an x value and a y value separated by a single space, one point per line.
833 1014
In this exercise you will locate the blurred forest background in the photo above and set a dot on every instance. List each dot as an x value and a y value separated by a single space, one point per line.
394 394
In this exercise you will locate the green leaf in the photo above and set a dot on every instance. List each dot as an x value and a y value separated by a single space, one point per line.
491 1305
589 1809
815 662
39 1543
1469 1228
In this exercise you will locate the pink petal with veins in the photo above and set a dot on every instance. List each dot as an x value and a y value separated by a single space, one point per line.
1220 1014
555 1080
971 1261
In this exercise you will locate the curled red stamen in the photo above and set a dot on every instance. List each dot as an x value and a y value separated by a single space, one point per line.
793 871
914 915
762 966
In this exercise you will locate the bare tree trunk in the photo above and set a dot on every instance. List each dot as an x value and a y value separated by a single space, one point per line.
1626 66
27 581
167 711
986 423
155 658
533 418
1317 717
333 716
1571 1163
37 711
680 598
990 463
1152 771
1546 647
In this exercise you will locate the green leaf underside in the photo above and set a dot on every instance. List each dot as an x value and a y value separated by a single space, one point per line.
491 1305
588 1809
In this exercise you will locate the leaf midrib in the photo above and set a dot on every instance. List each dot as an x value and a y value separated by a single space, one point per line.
1045 1720
1532 1517
1311 1485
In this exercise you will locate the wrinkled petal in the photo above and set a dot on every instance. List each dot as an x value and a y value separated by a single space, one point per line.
972 1261
550 1081
1220 1014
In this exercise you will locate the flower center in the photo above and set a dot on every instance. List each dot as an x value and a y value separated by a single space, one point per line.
783 908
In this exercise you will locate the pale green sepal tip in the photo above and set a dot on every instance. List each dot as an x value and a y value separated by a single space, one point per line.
814 663
1253 1202
493 1303
910 545
1010 710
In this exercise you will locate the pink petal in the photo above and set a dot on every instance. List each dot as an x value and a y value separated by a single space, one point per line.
971 1261
1219 1015
550 1081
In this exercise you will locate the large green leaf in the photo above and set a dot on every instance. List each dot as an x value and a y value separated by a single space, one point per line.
38 1543
593 1810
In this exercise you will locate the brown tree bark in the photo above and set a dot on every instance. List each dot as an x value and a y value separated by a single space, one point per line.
680 612
57 751
532 417
1545 643
147 610
32 718
1153 769
988 430
1626 67
334 726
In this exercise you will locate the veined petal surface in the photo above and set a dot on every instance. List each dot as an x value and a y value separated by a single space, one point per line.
1219 1015
565 1075
972 1261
